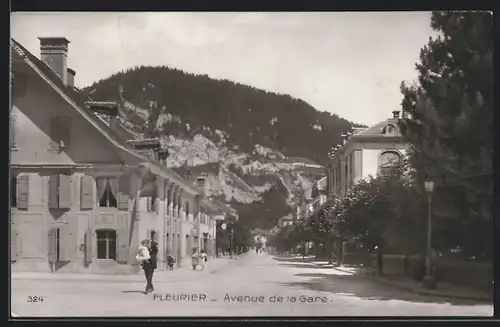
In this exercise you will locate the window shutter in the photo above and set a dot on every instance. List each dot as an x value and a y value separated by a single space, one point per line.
88 245
123 193
87 192
123 240
22 191
65 192
13 117
53 192
13 243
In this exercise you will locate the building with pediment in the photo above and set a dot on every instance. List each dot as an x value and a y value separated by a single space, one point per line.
365 152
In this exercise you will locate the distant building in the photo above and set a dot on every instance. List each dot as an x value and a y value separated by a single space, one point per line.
317 198
285 221
378 149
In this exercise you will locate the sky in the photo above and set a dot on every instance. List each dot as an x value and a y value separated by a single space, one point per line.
347 63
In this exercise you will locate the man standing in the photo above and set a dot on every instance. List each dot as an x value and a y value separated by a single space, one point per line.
153 252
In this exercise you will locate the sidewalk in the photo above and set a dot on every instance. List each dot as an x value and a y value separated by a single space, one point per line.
443 290
181 274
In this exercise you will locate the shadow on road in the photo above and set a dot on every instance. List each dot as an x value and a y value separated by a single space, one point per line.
357 285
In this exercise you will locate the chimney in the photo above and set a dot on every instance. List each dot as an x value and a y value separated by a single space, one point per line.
70 77
149 148
395 114
54 53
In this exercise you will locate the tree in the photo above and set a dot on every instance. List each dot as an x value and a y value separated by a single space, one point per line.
450 128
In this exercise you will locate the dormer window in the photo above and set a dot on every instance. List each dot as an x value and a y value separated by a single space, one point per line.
390 129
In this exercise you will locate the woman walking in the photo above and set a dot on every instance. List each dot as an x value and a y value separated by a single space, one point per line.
144 258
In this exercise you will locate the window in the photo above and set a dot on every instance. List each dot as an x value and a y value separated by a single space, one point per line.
150 204
106 244
60 132
18 81
167 198
389 130
13 119
107 191
389 162
13 192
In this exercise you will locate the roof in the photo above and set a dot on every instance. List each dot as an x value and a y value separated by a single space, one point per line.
376 130
80 99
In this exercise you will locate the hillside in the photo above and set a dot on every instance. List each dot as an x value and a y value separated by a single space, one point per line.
248 141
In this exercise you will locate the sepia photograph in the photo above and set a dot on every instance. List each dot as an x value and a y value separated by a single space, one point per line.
251 164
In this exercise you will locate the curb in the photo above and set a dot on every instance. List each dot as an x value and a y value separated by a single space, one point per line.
423 292
162 275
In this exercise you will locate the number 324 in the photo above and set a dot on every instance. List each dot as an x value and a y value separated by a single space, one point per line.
35 299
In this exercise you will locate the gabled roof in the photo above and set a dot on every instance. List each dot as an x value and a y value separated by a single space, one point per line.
79 100
376 130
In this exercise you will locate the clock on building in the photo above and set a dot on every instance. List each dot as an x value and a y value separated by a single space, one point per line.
389 161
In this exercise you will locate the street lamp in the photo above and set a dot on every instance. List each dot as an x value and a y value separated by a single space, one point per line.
429 281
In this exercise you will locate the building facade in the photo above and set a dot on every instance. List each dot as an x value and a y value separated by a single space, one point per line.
83 194
365 152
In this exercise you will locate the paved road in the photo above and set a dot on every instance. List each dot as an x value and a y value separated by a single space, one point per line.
250 286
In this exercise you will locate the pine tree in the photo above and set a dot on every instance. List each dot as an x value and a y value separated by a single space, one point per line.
450 127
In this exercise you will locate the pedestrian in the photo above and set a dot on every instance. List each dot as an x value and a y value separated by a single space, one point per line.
170 261
144 259
153 252
204 256
194 259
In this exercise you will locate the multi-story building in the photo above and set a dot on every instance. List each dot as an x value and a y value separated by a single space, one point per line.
365 152
83 193
308 205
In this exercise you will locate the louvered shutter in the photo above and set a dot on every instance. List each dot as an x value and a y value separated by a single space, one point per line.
88 245
123 193
22 191
123 239
53 192
13 243
64 131
87 192
65 192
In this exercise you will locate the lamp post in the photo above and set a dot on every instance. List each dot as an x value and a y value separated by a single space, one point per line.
429 281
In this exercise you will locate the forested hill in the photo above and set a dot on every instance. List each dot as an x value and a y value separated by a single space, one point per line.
197 104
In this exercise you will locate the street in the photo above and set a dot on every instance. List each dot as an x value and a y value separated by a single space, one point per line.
253 285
